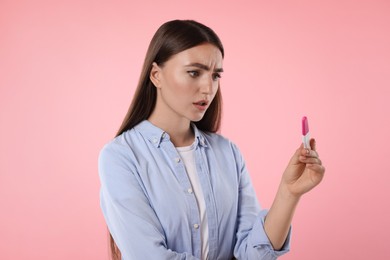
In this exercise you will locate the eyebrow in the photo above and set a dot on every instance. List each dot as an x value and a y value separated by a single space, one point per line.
202 66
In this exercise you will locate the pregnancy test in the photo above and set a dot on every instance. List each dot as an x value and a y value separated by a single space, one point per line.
305 133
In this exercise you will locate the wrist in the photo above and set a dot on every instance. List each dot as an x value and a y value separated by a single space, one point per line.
285 193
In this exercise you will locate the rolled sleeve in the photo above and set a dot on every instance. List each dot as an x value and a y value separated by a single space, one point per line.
258 239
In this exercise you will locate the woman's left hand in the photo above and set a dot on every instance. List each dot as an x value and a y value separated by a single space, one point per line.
304 171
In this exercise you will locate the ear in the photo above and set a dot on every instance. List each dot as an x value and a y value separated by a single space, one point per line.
155 75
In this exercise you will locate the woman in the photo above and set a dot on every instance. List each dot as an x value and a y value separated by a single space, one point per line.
172 188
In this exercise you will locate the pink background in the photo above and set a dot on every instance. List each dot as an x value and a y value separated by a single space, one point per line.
68 71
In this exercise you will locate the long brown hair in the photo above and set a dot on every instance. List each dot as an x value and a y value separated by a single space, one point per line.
171 38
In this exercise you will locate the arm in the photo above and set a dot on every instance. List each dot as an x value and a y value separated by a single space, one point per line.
252 241
130 218
304 172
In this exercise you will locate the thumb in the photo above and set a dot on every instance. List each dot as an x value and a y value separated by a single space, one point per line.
295 157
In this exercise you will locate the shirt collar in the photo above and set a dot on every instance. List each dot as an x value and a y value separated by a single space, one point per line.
156 135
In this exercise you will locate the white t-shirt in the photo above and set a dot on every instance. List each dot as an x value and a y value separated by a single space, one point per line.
187 153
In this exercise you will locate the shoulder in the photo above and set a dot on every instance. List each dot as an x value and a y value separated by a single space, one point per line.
218 139
115 145
117 151
218 142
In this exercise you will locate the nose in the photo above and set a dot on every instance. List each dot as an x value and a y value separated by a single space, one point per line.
208 86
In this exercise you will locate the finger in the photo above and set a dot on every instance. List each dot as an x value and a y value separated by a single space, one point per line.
311 160
313 144
295 158
309 153
316 168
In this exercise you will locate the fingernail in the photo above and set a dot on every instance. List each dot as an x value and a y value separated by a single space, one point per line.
307 151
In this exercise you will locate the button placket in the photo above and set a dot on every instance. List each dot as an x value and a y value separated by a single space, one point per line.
181 175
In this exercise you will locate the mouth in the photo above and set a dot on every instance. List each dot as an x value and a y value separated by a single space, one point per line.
201 104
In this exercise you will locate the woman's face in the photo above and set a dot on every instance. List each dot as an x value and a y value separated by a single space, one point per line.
187 82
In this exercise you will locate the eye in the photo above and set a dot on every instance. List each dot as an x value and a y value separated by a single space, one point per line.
216 76
193 73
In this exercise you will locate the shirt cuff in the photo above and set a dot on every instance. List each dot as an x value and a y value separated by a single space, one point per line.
258 238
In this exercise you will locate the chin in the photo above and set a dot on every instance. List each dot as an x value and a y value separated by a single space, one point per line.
196 118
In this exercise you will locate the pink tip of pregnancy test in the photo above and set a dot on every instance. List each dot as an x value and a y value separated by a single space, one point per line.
305 126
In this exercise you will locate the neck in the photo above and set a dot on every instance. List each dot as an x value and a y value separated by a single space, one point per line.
177 126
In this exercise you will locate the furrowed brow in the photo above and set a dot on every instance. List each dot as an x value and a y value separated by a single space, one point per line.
203 67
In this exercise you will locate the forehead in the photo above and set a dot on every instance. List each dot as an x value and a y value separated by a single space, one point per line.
207 54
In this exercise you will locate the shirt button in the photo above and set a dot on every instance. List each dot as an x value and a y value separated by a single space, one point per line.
190 191
177 160
196 226
155 140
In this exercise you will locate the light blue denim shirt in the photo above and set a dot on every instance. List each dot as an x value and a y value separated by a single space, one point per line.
152 213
